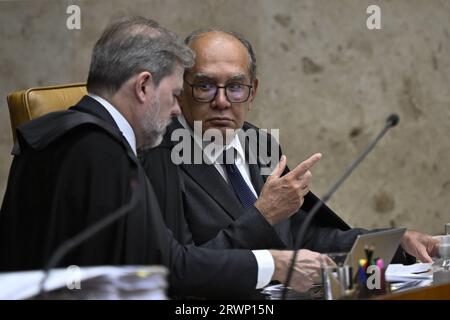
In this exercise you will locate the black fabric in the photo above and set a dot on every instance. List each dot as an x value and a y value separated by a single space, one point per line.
65 178
215 216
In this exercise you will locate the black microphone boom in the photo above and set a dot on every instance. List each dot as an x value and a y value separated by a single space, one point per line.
391 121
93 229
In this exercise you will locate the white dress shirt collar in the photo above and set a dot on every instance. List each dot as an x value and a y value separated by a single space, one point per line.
212 157
119 119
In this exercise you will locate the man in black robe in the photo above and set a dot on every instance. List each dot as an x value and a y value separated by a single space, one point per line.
73 168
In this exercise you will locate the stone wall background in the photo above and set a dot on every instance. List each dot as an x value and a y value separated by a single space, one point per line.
326 81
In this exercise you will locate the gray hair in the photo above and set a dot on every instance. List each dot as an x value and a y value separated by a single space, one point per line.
251 55
132 45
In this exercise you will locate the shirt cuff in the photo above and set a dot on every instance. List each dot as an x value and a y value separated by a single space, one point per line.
266 267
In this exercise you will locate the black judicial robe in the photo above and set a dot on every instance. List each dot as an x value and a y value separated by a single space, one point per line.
70 169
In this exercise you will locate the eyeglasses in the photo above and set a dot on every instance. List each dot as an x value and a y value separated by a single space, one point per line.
207 92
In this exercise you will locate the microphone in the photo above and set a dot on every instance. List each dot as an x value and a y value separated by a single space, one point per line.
90 231
391 121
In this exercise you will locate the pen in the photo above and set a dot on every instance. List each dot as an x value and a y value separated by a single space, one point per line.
380 264
362 275
370 254
366 250
419 272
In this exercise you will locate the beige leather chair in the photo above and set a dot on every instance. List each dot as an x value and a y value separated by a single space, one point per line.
32 103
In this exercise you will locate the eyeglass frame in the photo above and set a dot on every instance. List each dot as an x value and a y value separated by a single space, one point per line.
217 90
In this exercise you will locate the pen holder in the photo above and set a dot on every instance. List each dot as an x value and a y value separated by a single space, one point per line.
336 276
370 282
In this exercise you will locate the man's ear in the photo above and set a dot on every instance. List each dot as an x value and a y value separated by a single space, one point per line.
143 85
253 92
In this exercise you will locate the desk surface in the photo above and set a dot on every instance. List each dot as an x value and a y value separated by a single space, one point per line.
434 292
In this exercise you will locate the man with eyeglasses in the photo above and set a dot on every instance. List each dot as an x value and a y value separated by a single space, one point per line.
84 168
231 204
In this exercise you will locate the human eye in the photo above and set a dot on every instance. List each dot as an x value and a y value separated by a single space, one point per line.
205 86
235 87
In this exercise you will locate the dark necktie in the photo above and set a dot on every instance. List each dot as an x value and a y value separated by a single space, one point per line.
240 187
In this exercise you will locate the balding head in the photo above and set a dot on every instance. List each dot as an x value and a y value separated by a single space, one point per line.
218 34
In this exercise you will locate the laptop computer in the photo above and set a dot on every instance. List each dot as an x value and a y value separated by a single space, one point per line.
385 244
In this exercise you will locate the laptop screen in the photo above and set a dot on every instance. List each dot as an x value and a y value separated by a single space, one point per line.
384 244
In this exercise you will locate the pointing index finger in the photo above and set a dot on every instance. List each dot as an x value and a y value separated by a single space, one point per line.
304 166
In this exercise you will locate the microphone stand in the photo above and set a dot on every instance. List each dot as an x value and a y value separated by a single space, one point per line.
391 121
78 239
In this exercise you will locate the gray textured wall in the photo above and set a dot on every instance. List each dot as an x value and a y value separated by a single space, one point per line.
327 82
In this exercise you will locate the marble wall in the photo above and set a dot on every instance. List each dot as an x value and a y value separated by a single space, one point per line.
326 81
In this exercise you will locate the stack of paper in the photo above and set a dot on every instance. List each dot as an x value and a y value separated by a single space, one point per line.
400 272
104 282
405 277
275 292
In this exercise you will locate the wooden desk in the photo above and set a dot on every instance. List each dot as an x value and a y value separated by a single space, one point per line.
437 292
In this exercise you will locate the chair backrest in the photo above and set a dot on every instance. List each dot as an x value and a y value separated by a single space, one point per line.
32 103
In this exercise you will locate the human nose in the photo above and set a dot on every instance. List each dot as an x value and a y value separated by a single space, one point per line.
220 100
176 110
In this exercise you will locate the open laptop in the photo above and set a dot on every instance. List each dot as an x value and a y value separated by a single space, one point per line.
385 245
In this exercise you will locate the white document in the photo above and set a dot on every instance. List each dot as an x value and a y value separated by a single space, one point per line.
103 282
402 273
